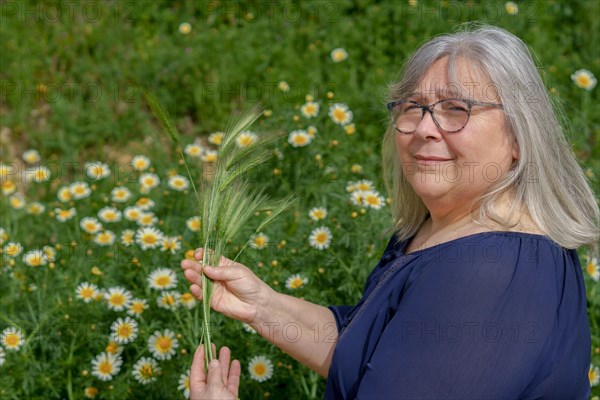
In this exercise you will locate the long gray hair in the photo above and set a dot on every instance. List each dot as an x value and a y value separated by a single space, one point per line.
546 179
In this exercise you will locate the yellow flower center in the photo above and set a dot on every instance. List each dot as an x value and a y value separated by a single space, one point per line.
260 369
321 237
117 299
296 283
12 340
86 292
163 280
125 330
105 367
163 344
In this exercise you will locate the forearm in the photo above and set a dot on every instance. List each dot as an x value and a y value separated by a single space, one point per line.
304 330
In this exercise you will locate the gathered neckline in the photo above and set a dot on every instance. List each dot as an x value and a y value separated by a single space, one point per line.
405 242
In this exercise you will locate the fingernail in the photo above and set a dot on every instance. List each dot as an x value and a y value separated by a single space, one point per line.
214 363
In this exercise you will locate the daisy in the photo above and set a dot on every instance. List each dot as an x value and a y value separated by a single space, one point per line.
109 214
171 244
310 109
35 208
49 253
312 131
64 215
184 384
188 300
90 225
295 281
209 156
140 163
179 183
283 86
147 219
584 79
3 235
124 330
169 300
79 190
97 170
260 368
86 291
148 238
149 180
37 174
106 365
145 370
340 114
12 249
185 28
17 201
162 345
317 213
137 307
593 269
350 129
118 298
193 224
259 241
248 328
114 348
357 198
216 138
594 375
132 213
162 279
144 203
31 156
12 338
373 199
105 238
511 7
8 187
90 392
246 138
193 150
338 55
120 194
299 138
320 238
34 258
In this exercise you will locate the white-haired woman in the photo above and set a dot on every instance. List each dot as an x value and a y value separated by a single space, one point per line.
479 293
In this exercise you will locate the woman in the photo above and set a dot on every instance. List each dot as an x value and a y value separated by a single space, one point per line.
479 293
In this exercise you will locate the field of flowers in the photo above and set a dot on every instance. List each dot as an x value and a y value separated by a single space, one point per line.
97 209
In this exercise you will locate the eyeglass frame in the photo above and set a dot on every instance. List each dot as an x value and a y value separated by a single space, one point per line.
429 108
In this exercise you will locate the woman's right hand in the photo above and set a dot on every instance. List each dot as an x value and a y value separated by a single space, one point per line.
237 292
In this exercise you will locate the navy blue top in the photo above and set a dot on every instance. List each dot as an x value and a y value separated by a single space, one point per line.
494 315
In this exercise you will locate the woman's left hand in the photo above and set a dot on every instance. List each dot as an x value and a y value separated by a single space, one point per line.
221 381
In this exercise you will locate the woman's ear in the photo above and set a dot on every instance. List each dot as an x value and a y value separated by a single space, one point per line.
515 150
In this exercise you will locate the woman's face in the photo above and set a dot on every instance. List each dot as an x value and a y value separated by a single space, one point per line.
450 170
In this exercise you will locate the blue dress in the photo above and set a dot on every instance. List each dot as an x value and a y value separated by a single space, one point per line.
493 315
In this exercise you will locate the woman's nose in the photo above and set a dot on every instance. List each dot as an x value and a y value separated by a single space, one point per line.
427 129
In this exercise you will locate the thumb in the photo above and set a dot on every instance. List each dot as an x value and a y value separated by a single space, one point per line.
215 376
222 273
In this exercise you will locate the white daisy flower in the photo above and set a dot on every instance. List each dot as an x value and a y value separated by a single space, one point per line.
118 298
148 238
64 194
49 253
310 109
593 269
248 328
259 241
149 180
124 330
162 345
171 244
12 338
184 384
17 201
283 86
188 300
37 174
356 198
317 213
320 238
35 208
106 365
65 215
105 238
34 258
373 199
90 225
340 114
594 375
511 7
86 291
137 307
162 279
295 281
216 138
179 183
145 203
145 370
97 170
127 237
260 368
120 194
299 138
132 213
31 156
338 55
584 79
80 190
109 214
169 300
12 249
209 156
147 219
246 138
193 224
193 150
140 163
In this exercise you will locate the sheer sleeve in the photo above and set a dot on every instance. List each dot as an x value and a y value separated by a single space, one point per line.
488 328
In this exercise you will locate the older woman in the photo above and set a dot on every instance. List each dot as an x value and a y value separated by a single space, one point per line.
479 293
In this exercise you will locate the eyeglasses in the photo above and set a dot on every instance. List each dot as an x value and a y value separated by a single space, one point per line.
450 115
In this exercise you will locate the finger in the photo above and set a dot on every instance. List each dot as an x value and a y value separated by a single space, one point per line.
214 349
223 273
193 277
215 377
197 374
224 357
196 291
233 380
199 253
192 265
